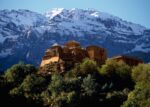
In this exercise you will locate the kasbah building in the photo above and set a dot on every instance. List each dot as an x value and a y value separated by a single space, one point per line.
63 58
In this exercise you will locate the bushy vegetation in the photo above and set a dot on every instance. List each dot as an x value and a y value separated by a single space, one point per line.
140 96
113 84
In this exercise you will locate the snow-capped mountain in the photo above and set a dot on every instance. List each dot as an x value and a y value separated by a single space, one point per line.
24 35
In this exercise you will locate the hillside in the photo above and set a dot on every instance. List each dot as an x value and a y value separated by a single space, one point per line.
25 35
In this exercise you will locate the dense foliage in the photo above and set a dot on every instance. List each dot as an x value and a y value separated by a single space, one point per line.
113 84
140 96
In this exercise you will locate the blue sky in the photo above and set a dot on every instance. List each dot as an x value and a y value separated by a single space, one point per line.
137 11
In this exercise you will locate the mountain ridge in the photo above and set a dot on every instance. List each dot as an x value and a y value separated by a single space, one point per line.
25 35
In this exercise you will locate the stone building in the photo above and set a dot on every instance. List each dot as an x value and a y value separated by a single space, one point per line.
64 58
128 60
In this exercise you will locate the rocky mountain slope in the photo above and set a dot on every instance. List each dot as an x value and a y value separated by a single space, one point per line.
25 35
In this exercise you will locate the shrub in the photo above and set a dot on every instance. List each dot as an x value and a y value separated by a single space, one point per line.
141 73
117 73
139 97
86 67
88 86
18 72
112 68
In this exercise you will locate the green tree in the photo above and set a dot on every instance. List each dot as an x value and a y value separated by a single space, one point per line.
113 67
88 66
72 84
31 87
141 73
115 98
56 85
16 74
59 93
82 69
117 73
88 86
140 96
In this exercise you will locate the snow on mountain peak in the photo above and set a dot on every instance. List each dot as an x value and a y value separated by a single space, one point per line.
21 17
53 12
104 20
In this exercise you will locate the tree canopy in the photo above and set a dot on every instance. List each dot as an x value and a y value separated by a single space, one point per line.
87 85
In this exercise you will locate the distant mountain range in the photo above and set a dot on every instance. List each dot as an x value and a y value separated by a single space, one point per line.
25 35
